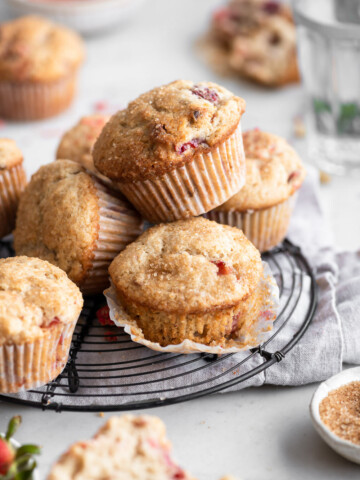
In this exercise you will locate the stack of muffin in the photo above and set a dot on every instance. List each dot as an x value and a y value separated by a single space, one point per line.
174 154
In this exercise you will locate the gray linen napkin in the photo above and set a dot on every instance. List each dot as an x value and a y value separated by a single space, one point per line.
329 341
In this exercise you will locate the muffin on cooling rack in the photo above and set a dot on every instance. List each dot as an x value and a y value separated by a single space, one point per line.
124 448
12 183
67 217
77 143
190 280
39 62
258 39
263 207
39 308
175 151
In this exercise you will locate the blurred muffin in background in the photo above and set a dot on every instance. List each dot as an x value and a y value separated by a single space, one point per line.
39 62
257 40
77 143
263 207
12 183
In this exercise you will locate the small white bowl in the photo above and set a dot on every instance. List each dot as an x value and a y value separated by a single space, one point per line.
343 447
85 16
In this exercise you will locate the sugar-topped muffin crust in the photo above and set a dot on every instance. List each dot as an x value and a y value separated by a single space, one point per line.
274 171
33 296
187 266
10 154
35 49
165 128
58 218
126 447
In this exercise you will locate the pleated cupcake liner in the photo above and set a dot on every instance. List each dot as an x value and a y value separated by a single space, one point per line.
33 364
194 188
12 183
34 101
265 228
119 225
256 330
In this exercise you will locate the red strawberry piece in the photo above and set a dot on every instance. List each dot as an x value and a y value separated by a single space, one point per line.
235 323
7 456
206 93
189 145
103 315
293 175
101 106
223 269
109 337
271 7
179 474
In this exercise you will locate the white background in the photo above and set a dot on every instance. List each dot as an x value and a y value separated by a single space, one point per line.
254 434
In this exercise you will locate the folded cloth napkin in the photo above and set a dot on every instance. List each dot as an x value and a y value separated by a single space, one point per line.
330 340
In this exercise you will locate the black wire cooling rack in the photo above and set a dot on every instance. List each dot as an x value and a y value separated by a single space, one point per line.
106 371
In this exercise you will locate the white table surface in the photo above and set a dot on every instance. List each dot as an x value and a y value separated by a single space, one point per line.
256 433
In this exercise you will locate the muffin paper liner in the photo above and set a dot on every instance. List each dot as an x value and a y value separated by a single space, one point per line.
119 225
194 188
33 101
265 228
257 332
32 364
12 183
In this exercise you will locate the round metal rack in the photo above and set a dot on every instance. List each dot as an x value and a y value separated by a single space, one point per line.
106 371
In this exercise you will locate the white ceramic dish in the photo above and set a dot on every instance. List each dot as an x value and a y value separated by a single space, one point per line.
342 447
85 16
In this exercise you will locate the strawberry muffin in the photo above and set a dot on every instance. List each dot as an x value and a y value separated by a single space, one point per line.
12 183
190 280
39 62
39 308
259 40
175 151
77 143
69 218
126 447
262 209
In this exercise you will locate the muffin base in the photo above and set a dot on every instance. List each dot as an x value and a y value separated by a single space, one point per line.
12 183
253 330
33 364
34 101
214 327
265 228
119 225
194 188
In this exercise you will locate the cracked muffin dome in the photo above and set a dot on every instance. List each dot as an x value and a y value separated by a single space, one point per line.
187 280
274 172
12 183
258 40
176 151
39 308
67 217
164 128
127 447
77 143
34 293
263 207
